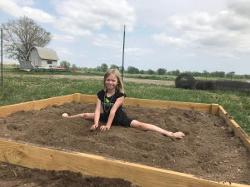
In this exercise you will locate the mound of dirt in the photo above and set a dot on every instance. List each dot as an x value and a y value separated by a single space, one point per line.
11 175
209 150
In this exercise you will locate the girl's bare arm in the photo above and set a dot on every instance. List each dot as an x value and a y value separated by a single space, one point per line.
97 114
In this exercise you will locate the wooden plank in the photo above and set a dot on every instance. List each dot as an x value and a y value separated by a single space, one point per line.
222 112
51 159
88 98
7 110
76 97
60 100
35 105
214 109
238 131
156 103
167 104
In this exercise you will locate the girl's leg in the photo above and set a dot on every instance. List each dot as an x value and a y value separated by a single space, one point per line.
86 116
147 126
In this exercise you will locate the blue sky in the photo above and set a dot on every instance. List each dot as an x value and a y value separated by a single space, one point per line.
189 35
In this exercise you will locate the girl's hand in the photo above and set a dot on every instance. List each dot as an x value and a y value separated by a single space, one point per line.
104 127
94 127
178 135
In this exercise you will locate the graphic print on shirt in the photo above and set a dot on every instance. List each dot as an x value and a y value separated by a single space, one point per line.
107 104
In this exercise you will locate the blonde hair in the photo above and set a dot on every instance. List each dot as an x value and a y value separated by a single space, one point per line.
115 72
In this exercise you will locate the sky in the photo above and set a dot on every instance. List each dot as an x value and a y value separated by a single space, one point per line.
188 35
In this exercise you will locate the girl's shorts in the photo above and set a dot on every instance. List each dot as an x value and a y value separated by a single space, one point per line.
120 119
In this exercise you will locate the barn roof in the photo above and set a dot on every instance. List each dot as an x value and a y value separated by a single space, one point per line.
46 53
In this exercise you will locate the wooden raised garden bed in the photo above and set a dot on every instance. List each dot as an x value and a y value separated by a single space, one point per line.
36 156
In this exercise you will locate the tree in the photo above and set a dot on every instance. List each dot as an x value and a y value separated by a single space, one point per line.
104 67
20 36
113 66
205 73
174 72
150 72
161 71
230 74
74 68
142 72
65 64
133 70
218 74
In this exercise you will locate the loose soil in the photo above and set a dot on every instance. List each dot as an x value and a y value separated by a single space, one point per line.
209 149
16 176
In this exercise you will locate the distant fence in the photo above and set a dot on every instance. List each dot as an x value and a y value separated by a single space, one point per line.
187 81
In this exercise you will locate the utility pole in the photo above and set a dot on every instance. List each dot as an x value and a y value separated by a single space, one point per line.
1 57
123 51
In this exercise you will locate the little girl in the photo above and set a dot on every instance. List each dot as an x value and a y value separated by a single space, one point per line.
111 99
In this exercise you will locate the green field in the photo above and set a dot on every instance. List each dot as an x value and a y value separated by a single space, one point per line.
21 88
13 69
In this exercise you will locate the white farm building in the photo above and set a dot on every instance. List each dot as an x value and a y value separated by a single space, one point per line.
43 58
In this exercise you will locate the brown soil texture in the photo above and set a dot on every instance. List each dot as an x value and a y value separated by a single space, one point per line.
209 149
16 176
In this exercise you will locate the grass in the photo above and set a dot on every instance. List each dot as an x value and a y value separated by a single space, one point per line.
20 89
15 70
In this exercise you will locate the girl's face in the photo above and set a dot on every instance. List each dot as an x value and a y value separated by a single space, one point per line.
111 82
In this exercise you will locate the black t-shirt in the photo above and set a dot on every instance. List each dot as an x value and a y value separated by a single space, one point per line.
108 102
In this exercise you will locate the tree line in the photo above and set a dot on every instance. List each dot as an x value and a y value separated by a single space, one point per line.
160 71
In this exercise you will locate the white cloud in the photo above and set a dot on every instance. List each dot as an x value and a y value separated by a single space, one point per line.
197 21
63 38
137 52
77 17
241 7
229 20
63 53
102 40
12 7
162 38
24 2
226 32
71 27
38 15
83 17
